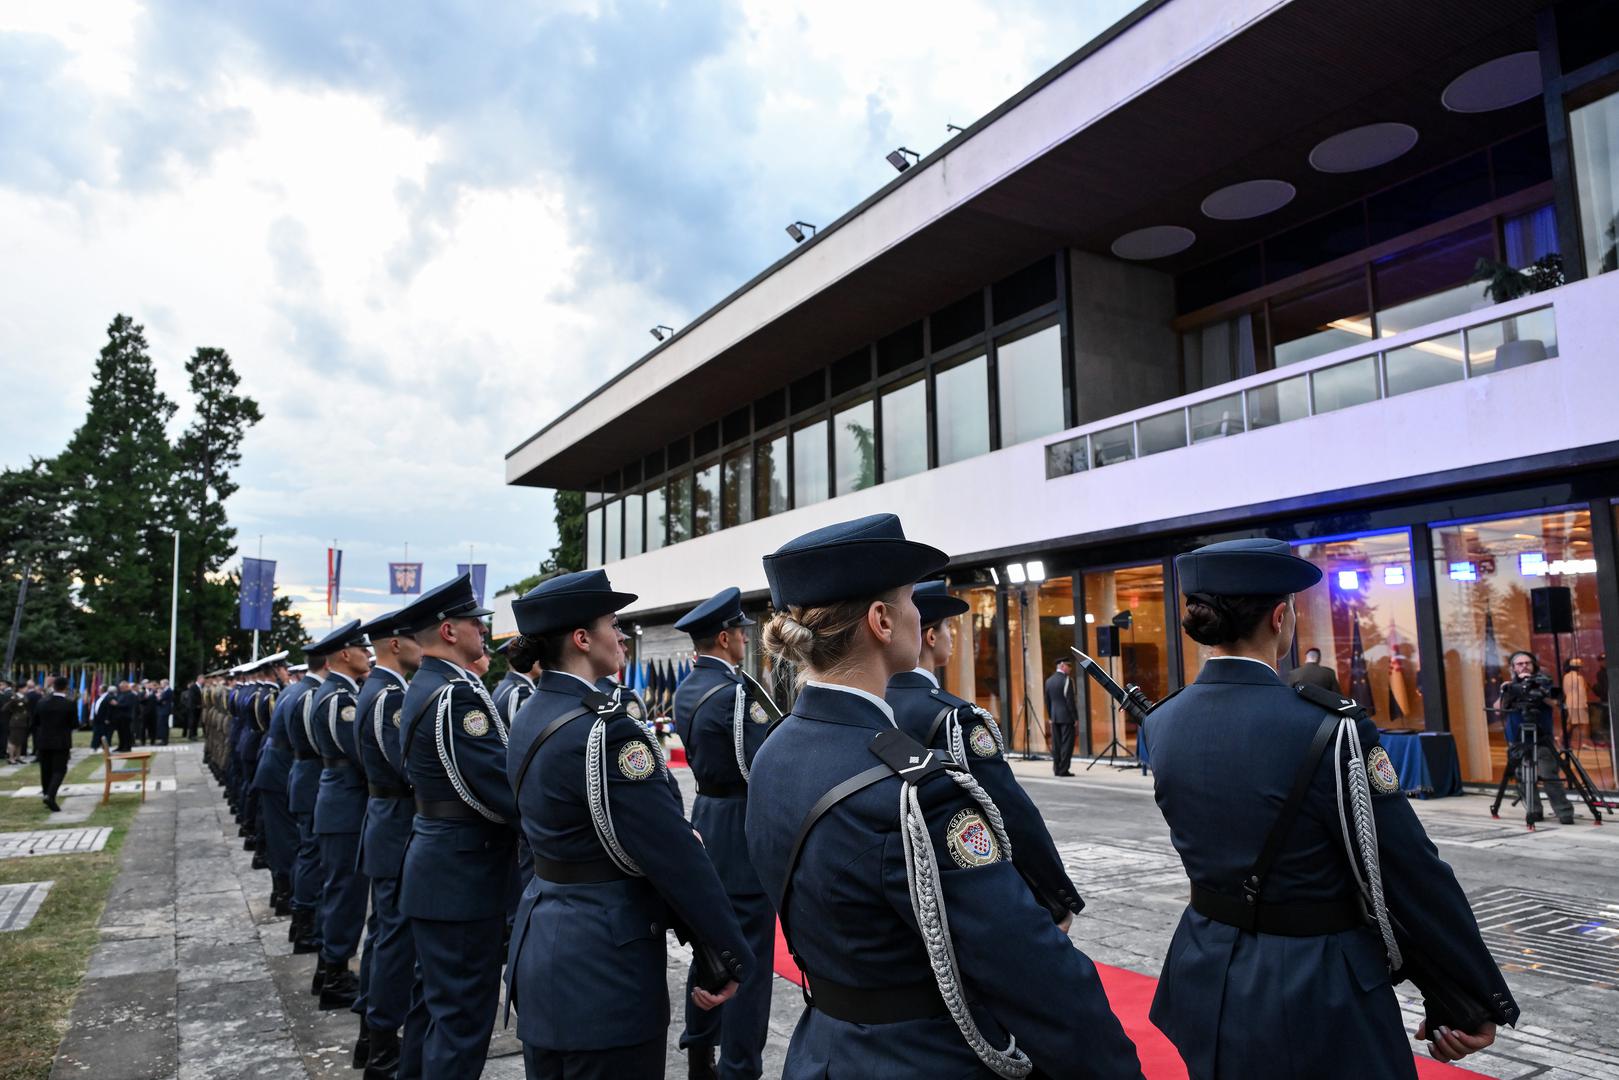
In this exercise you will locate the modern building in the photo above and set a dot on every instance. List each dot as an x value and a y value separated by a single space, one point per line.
1211 276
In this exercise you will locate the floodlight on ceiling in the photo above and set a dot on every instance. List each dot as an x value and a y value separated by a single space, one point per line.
1014 573
661 331
796 231
1032 572
901 159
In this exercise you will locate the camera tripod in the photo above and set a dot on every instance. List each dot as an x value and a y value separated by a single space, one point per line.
1523 765
1114 746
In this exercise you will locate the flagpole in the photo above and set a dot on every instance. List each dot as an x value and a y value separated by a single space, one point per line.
174 607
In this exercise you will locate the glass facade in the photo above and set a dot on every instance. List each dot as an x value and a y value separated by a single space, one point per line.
1428 363
1594 132
615 530
737 484
1029 371
705 517
1328 317
974 670
634 511
809 464
593 537
677 494
905 429
961 394
656 519
854 447
1130 600
770 476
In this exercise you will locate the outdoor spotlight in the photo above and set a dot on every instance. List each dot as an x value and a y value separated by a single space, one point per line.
661 331
796 231
1015 574
1035 569
955 129
638 630
901 158
994 577
1123 619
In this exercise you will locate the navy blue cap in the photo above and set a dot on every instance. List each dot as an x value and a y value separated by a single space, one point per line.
567 602
847 561
1254 567
500 650
350 633
454 599
934 602
384 626
719 612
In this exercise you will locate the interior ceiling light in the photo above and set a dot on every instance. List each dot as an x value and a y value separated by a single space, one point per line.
1153 242
1249 199
1495 84
1363 147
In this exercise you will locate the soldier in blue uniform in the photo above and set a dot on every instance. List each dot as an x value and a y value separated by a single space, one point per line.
923 950
340 805
303 782
940 720
458 862
387 968
276 826
272 675
1281 966
522 669
722 728
615 863
246 751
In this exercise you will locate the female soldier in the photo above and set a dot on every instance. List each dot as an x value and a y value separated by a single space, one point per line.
1274 970
923 951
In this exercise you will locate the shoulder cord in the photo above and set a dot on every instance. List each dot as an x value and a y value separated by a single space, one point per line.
738 714
1365 834
309 729
601 811
331 724
646 725
922 875
377 721
956 745
444 738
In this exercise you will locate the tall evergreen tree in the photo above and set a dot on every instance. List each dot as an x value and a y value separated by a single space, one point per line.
569 554
118 472
207 452
34 537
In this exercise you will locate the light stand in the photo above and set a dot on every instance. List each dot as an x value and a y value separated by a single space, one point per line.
1027 711
1123 620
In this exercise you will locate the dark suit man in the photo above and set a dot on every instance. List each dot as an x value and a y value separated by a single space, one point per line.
165 711
123 705
33 696
1061 714
1312 673
53 740
191 708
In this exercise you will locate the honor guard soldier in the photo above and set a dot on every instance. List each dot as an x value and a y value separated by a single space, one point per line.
522 669
276 827
1304 900
722 727
923 952
387 968
272 675
303 783
233 737
940 720
615 863
340 804
459 860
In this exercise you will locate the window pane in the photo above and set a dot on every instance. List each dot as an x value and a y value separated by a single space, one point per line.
809 464
962 395
905 429
1343 385
1030 373
1331 317
1530 236
1159 433
1113 445
854 447
1278 403
1224 351
633 510
593 538
1217 418
1430 282
770 476
655 519
1594 131
678 494
615 531
738 489
1509 343
1427 363
1067 457
706 501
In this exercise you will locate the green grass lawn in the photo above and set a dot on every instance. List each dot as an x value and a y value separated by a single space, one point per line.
42 965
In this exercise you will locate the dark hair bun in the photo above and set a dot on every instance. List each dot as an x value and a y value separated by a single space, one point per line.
1206 624
522 653
1222 620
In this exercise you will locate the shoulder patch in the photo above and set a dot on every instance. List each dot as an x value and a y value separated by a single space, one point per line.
1380 771
756 713
346 713
981 742
395 718
474 722
971 841
635 760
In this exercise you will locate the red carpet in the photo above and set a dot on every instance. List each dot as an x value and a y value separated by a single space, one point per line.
1130 994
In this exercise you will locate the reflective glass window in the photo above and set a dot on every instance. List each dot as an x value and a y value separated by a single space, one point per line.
1279 402
770 476
1216 419
1156 434
738 485
678 494
854 447
593 538
905 429
1431 282
614 526
1427 363
1129 602
1332 316
1113 445
1513 342
705 517
1222 351
1029 371
1594 132
656 518
962 397
1067 457
634 510
810 478
1344 385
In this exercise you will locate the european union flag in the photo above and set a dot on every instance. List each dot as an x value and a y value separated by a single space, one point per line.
258 593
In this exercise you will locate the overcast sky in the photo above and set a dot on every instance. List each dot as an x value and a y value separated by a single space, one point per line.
423 230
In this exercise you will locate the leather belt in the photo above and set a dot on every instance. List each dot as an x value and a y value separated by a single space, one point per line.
589 872
380 791
449 810
875 1005
738 790
1287 920
299 755
336 762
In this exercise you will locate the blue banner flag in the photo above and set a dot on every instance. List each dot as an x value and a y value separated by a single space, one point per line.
404 577
479 572
258 593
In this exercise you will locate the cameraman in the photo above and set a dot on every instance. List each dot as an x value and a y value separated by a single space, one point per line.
1527 699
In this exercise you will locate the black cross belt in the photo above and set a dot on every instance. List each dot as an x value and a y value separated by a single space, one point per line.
336 762
381 791
877 1004
589 872
1288 920
448 810
738 790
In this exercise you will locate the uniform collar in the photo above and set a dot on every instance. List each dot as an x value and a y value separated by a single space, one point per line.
928 675
350 683
715 662
844 705
566 682
1238 669
312 680
389 672
449 667
519 675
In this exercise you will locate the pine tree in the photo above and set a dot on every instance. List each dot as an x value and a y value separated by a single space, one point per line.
118 473
569 554
34 537
207 452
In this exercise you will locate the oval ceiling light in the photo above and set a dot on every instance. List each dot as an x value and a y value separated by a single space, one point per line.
1495 84
1362 148
1249 199
1153 242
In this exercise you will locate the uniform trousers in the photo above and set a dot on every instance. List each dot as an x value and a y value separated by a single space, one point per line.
361 1001
52 770
392 952
342 896
740 1027
459 993
306 872
643 1062
1062 747
279 829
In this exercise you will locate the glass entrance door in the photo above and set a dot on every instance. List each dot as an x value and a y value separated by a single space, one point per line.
1130 601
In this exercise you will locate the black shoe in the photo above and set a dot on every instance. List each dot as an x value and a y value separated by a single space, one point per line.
700 1063
303 947
241 830
342 986
259 861
52 804
1565 819
281 906
362 1047
383 1062
295 929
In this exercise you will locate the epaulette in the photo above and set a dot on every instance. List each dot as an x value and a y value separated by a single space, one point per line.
1331 702
906 758
1157 704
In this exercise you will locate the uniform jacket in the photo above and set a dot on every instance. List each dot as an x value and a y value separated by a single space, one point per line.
303 776
1225 751
510 694
1060 698
917 701
387 819
587 966
247 722
455 869
850 916
720 811
340 801
275 758
54 721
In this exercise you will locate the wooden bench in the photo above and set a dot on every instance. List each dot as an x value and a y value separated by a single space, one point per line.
124 772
